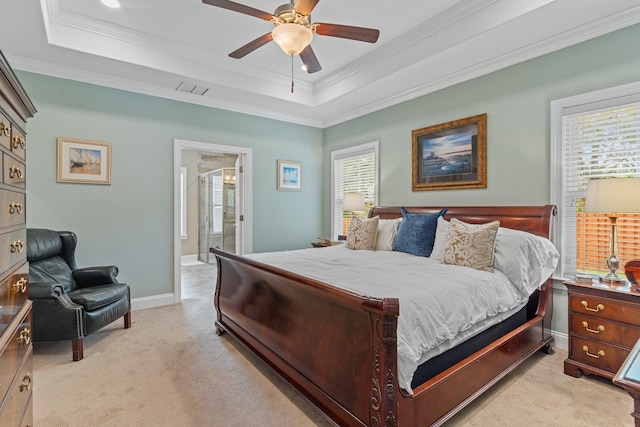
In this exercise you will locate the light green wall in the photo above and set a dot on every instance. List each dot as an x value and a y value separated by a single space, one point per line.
130 222
517 102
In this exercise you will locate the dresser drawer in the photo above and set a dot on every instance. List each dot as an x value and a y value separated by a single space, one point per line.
14 291
605 308
605 330
15 349
5 131
13 249
12 208
19 397
598 354
27 417
18 143
14 171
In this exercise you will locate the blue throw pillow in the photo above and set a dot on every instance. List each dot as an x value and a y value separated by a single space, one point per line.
417 232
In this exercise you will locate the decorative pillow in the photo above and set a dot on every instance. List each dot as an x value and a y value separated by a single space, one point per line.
363 233
471 245
387 230
442 233
416 233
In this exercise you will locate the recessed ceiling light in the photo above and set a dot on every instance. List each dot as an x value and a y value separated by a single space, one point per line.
111 3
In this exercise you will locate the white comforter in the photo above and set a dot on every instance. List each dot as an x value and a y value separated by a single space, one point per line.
440 305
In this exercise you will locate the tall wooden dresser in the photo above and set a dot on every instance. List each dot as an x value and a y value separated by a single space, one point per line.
16 366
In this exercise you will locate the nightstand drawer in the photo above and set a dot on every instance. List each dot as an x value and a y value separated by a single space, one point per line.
598 354
605 330
605 308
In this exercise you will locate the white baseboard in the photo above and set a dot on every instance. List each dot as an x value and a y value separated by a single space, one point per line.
560 340
152 301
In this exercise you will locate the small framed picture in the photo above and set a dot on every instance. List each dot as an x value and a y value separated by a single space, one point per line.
81 161
289 175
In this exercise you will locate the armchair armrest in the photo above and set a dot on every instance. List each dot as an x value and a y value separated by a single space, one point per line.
43 290
95 276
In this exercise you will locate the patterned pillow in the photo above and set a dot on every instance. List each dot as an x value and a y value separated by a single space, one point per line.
362 233
417 233
471 245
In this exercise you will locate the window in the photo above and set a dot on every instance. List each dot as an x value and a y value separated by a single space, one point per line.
595 135
353 170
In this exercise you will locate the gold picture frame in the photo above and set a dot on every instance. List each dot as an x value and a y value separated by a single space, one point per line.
450 155
85 162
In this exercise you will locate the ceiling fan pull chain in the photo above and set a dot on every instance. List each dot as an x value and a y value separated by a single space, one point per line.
291 73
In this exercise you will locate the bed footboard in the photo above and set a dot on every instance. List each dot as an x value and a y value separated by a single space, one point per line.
337 348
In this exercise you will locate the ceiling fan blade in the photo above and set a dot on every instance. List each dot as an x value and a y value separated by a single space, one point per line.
304 7
309 60
237 7
251 46
368 35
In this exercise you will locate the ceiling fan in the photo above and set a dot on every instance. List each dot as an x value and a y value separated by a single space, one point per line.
293 30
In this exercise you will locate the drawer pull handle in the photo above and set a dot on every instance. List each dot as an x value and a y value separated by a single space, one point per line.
15 172
27 381
18 141
4 129
595 356
25 336
599 307
20 287
594 331
17 246
15 207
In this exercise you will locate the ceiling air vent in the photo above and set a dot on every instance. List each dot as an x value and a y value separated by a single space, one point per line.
192 88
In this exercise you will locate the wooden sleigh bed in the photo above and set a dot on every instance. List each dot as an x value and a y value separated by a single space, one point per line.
304 329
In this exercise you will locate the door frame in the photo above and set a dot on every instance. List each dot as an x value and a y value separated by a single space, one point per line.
245 195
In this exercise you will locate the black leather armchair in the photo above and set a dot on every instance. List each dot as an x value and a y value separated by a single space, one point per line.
70 303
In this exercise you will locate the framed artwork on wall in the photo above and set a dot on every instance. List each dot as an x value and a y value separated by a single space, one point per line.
81 161
289 175
450 155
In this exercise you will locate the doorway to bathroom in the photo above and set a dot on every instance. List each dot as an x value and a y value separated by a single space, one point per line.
212 205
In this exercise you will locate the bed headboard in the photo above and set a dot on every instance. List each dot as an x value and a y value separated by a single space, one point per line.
534 219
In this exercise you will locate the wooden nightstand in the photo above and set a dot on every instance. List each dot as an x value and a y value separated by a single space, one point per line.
604 325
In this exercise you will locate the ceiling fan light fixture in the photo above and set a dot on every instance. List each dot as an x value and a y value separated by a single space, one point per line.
292 38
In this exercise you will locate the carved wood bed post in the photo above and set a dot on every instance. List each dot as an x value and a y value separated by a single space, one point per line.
384 384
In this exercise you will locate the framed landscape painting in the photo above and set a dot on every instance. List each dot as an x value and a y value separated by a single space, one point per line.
450 155
289 175
81 161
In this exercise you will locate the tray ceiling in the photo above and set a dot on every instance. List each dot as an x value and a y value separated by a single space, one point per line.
154 47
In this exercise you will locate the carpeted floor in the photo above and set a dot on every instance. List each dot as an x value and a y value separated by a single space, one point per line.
170 369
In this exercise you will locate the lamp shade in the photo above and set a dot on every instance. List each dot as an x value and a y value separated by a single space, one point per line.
292 38
613 195
353 202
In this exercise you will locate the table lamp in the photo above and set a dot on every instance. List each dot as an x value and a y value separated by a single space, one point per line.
613 196
353 202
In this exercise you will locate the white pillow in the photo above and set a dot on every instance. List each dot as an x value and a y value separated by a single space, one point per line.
387 230
526 259
442 231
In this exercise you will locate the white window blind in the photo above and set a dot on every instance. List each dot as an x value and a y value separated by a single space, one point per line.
354 170
599 139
